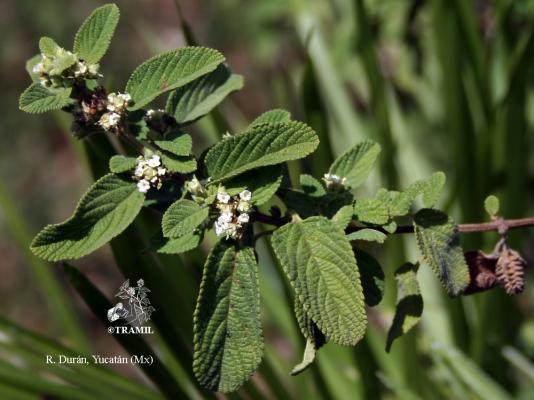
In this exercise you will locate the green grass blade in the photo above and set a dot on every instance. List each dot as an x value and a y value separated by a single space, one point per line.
59 306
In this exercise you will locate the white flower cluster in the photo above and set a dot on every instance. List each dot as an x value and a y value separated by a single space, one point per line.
149 173
53 75
234 214
334 181
116 106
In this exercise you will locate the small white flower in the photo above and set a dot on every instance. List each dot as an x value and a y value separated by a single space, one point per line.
226 217
37 68
118 101
143 185
161 171
114 118
334 180
124 97
109 120
220 227
154 179
243 218
223 197
139 170
154 161
245 195
81 69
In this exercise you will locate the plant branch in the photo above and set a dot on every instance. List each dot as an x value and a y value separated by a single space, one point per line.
498 224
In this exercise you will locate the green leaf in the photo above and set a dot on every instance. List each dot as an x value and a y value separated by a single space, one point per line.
228 342
169 71
315 339
272 117
334 200
181 244
262 183
492 205
48 47
120 164
439 241
310 351
430 189
94 36
261 146
320 265
38 99
311 186
409 303
179 144
198 98
342 217
303 204
372 277
182 217
372 211
387 204
356 163
32 62
137 125
104 211
179 164
367 234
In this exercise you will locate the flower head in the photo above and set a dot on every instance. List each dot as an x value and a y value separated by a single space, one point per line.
149 171
109 121
233 213
334 181
118 102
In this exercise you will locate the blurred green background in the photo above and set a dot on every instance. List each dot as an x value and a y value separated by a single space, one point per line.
441 84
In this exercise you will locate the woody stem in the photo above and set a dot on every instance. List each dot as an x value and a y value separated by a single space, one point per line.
463 228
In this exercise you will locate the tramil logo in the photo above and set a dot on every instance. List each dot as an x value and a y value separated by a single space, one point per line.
135 309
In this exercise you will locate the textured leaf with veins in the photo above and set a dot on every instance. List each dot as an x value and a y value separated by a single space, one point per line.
228 343
260 146
108 207
182 217
37 99
94 36
409 303
169 71
439 242
320 265
272 117
198 98
356 163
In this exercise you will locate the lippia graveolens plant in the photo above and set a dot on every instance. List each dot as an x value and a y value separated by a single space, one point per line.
319 225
